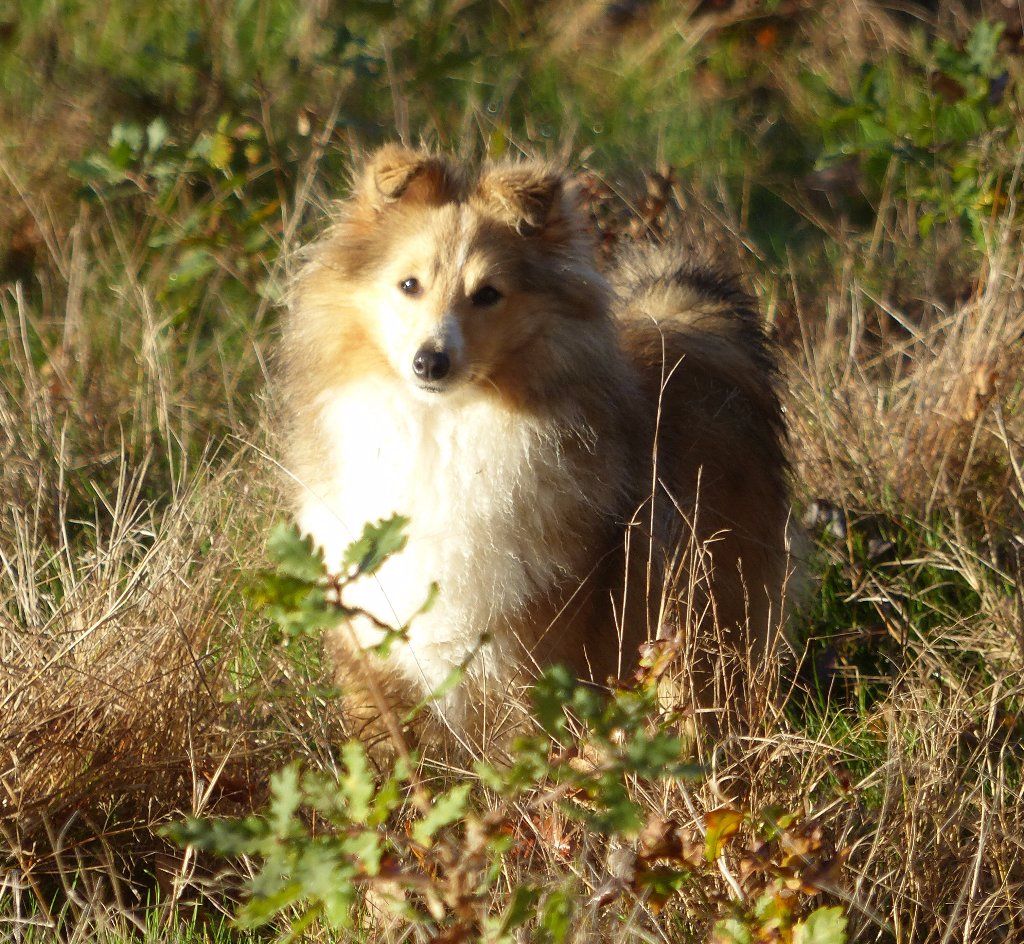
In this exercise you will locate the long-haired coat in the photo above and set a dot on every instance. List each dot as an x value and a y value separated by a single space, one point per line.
585 464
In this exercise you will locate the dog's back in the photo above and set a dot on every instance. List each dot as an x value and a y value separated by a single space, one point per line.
720 502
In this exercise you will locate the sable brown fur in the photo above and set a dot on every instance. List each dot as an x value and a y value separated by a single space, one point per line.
604 466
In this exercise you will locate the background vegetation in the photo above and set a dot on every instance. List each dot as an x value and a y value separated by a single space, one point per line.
158 162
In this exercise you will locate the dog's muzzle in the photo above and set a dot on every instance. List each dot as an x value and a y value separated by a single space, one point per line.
431 366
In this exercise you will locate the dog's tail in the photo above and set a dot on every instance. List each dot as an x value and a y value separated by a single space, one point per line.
676 307
704 360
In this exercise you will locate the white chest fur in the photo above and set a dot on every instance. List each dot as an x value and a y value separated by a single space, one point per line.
499 508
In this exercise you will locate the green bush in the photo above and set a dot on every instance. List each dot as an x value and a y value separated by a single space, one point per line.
927 128
445 856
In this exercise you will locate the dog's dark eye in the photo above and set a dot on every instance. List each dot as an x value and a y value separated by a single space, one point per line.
410 286
483 297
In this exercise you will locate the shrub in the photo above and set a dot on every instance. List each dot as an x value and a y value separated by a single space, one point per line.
448 857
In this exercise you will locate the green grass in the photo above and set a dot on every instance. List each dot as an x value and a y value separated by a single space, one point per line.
157 926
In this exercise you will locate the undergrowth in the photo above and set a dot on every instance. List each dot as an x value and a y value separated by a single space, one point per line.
338 846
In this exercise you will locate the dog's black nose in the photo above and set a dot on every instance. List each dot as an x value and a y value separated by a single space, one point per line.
429 364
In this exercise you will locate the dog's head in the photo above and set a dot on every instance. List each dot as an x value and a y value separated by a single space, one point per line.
459 280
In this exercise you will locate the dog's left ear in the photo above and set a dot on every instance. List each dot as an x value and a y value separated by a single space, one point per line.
535 199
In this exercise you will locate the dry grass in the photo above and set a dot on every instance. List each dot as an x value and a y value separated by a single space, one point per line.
928 430
118 631
122 635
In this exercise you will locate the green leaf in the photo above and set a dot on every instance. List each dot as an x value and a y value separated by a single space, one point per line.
261 908
653 756
983 44
823 926
377 542
297 926
294 554
96 168
447 809
357 785
552 692
620 816
223 836
556 916
307 617
433 591
520 909
385 802
872 132
156 135
366 847
730 931
588 703
338 904
661 882
128 134
285 798
221 150
774 819
773 912
194 264
215 149
492 777
383 649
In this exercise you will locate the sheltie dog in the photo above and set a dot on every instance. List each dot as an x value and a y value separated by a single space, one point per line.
586 463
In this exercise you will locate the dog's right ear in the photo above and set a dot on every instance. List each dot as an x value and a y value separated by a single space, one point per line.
395 173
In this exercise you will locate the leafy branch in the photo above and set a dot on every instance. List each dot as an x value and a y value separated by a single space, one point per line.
451 857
